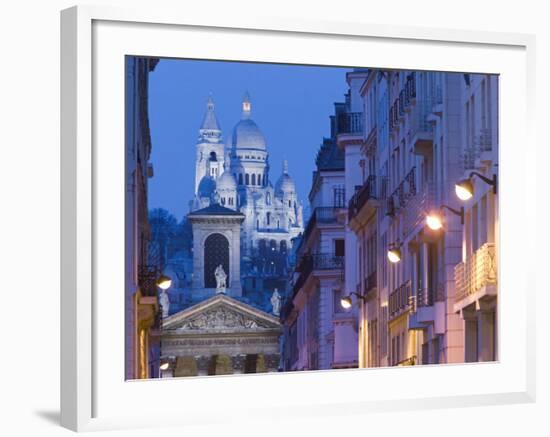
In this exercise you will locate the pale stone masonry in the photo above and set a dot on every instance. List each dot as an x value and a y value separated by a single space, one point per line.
408 137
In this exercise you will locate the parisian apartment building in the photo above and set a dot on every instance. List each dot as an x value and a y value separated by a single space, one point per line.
403 227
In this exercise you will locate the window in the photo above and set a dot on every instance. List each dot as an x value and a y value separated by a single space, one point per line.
247 179
339 247
268 218
253 179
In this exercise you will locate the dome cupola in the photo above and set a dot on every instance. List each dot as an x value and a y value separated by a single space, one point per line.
247 134
207 187
285 184
226 181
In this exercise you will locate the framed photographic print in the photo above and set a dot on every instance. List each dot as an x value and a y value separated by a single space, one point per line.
291 218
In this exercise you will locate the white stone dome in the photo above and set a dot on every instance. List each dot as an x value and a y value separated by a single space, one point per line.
285 184
247 135
226 181
207 186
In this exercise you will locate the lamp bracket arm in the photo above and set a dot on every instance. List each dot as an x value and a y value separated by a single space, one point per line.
492 181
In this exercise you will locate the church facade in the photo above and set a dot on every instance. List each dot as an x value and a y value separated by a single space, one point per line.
236 175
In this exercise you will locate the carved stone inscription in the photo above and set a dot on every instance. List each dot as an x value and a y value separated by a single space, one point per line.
220 341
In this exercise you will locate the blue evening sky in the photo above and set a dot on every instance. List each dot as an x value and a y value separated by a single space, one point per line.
291 105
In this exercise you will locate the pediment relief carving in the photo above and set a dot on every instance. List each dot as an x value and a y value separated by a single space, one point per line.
221 318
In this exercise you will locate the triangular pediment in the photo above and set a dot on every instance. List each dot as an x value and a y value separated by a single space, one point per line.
220 313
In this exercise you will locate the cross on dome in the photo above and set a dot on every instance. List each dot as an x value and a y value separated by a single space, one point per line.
246 106
285 166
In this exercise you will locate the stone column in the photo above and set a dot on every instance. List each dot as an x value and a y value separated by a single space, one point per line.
235 260
198 251
185 366
486 333
470 337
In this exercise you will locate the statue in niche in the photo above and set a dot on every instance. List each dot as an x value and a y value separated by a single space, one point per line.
276 303
221 278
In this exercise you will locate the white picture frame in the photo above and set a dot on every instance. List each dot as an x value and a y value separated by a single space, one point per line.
92 394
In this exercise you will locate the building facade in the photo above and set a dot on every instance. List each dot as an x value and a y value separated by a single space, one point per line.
422 134
319 333
421 256
141 318
476 294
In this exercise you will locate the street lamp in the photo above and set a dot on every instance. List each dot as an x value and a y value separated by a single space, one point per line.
164 282
164 365
464 188
394 254
346 301
434 220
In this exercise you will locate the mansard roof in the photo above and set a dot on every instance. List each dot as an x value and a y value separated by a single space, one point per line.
330 156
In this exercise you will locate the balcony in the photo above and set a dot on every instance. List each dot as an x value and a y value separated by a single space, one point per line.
318 261
476 277
350 129
419 203
147 278
321 214
400 299
411 361
350 123
483 140
420 128
364 202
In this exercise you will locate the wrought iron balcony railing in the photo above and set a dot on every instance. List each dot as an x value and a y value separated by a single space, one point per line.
479 270
420 128
321 214
317 261
147 277
400 299
362 196
483 140
411 361
350 123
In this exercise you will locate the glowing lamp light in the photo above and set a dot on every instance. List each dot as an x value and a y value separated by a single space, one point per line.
345 302
164 365
434 222
164 282
394 255
464 189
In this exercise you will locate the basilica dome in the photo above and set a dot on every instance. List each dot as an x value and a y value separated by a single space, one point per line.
207 186
226 181
247 135
285 184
